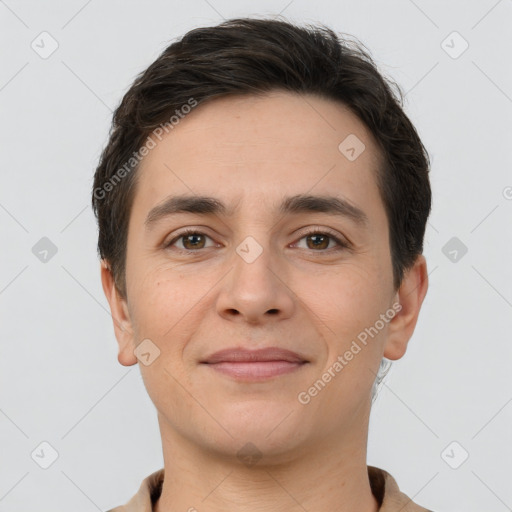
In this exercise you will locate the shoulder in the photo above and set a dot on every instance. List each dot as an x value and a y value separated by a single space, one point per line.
147 495
388 494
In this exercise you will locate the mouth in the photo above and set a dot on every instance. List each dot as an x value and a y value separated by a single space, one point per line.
255 365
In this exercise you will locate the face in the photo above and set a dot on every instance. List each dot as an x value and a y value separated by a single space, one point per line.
264 270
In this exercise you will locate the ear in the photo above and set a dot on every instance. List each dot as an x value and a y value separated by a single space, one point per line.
410 296
121 317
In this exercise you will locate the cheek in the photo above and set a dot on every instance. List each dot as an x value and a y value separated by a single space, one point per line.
167 312
168 306
347 304
345 295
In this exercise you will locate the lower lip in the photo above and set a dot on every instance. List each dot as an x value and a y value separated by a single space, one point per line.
255 370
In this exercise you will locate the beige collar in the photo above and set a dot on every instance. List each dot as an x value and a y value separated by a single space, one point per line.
383 485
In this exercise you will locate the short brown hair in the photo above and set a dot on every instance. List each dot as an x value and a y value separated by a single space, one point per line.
254 56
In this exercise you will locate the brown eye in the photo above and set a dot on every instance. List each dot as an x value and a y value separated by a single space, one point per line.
319 239
191 240
194 240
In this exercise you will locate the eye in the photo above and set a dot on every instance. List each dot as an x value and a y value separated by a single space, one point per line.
191 240
320 240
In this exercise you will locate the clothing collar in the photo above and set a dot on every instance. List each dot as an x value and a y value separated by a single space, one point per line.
383 486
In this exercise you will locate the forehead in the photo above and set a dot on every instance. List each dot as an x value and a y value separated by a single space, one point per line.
261 148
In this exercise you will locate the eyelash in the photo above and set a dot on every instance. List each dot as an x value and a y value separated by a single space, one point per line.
315 231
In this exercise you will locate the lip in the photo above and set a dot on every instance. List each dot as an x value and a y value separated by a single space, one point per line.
255 365
243 355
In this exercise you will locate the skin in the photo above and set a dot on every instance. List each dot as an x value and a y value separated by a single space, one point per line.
251 152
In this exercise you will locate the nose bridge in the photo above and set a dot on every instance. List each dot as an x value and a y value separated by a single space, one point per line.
253 256
255 287
254 231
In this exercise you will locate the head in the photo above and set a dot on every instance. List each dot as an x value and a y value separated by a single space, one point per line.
260 115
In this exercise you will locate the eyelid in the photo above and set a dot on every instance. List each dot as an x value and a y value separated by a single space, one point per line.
341 241
322 230
186 231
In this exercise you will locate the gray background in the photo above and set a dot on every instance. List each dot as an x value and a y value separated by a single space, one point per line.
60 381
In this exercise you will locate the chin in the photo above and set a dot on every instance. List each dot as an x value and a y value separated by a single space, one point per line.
268 425
252 446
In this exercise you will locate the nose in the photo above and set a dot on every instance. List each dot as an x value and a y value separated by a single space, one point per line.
256 289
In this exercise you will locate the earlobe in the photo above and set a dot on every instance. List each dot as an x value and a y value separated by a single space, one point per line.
123 328
410 296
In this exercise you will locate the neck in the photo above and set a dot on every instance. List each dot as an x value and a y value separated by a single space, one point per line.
330 475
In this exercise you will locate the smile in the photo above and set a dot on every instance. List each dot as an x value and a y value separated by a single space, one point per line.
255 370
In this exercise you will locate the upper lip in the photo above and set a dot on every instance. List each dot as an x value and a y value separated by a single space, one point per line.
247 355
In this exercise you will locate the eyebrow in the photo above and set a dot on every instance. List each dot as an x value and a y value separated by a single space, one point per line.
301 203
